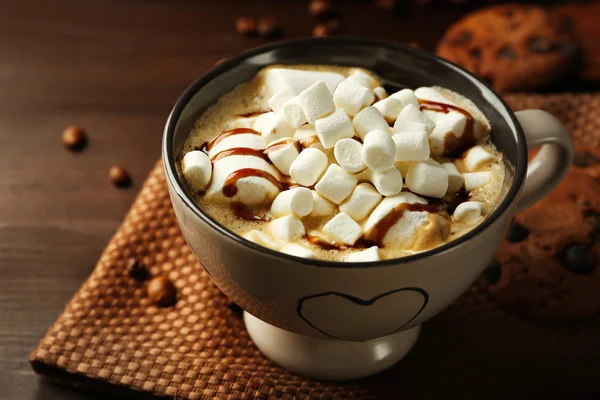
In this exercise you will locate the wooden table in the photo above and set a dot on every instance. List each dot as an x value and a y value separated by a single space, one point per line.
116 69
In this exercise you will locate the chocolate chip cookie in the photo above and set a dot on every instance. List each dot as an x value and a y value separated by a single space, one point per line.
548 266
515 47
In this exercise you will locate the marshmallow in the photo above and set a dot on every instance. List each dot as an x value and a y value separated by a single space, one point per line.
322 207
379 150
342 229
427 179
380 93
262 239
370 254
316 102
411 146
333 128
277 101
336 184
287 228
282 154
197 169
455 179
401 126
474 180
451 124
406 96
308 138
430 94
469 211
363 79
272 126
362 201
245 122
277 79
352 97
476 157
292 113
308 166
294 249
402 166
388 182
412 113
369 119
246 140
297 201
390 108
348 153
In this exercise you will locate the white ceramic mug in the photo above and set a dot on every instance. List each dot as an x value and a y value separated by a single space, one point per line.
340 321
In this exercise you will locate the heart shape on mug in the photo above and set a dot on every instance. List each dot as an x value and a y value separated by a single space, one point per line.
347 317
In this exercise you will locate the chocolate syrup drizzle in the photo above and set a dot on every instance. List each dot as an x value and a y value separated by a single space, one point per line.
453 144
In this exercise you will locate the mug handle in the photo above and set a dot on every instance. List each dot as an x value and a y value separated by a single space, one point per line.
552 162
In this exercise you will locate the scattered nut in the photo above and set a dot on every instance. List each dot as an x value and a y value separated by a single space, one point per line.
268 27
161 291
74 138
137 270
319 8
119 177
245 26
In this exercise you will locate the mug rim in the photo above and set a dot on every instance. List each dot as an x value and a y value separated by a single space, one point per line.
173 178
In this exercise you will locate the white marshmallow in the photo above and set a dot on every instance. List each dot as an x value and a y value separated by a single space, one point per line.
294 249
245 122
388 182
412 113
476 157
430 94
362 79
308 138
474 180
262 239
197 169
322 207
389 107
336 184
362 201
402 166
308 166
379 150
370 254
380 93
316 102
348 153
411 146
352 97
342 229
369 119
277 101
287 228
406 96
333 128
297 201
277 79
247 140
455 179
427 179
282 153
401 126
469 211
293 114
272 126
452 123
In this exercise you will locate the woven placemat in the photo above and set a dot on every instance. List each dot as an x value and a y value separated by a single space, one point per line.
112 338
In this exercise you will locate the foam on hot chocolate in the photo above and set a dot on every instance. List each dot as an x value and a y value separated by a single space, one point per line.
312 161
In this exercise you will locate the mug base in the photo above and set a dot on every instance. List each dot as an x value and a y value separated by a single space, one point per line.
329 359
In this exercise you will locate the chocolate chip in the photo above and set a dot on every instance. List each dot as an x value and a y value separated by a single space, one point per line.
493 272
517 232
506 52
268 27
461 38
320 8
585 159
595 220
321 30
74 138
246 26
119 177
137 270
161 291
475 54
580 259
540 45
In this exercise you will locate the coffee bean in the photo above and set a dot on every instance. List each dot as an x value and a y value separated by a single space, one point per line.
161 291
506 52
320 8
246 26
580 259
119 177
74 138
517 232
268 27
493 272
320 30
137 270
585 159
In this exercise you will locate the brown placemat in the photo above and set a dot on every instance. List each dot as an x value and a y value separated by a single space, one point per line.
111 338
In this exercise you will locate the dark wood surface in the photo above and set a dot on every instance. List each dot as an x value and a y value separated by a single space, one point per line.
115 68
